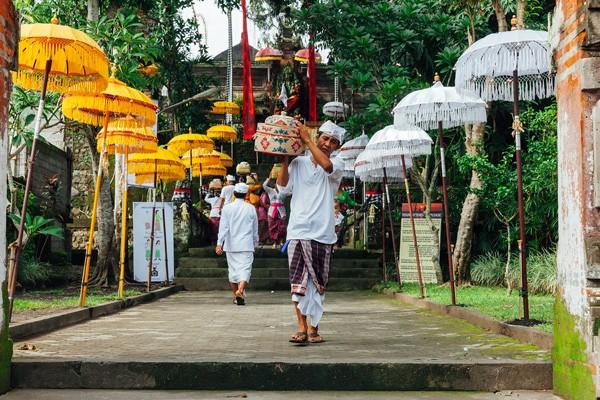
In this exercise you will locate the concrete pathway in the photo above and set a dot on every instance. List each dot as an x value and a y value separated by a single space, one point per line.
213 395
205 327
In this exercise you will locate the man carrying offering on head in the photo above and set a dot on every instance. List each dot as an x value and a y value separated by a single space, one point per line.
312 181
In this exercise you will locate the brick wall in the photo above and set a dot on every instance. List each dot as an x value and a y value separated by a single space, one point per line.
8 41
578 257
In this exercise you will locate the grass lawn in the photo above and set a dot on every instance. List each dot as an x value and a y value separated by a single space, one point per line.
35 303
492 301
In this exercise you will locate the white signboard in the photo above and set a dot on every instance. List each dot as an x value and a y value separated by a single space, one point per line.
163 241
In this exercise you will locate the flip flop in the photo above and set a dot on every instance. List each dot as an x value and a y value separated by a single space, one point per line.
299 334
312 338
239 300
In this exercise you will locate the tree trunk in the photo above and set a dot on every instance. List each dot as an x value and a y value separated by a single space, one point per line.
521 6
93 10
500 16
105 270
464 238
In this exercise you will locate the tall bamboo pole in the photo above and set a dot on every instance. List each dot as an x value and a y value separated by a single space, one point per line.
123 230
151 258
386 195
414 232
31 162
162 198
90 243
522 243
446 212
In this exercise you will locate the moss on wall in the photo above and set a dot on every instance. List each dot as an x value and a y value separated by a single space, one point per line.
5 344
572 376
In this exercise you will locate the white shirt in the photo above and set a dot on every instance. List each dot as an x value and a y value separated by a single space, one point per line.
215 211
227 194
339 218
312 190
238 228
275 197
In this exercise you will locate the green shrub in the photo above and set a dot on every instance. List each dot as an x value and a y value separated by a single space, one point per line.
488 270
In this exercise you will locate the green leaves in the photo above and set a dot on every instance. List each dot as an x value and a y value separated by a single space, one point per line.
37 225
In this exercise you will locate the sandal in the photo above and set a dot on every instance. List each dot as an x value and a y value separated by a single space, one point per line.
299 337
239 300
315 338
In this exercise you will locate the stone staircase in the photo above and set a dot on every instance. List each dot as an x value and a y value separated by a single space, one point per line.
202 269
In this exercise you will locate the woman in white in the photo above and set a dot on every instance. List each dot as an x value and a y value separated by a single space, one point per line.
238 237
276 214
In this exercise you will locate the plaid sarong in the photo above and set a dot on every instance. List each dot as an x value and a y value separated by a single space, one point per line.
308 259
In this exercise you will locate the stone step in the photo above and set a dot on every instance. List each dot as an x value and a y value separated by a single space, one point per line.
247 375
281 272
279 284
259 263
267 252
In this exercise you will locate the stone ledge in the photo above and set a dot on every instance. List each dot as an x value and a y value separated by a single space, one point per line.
401 375
524 334
49 323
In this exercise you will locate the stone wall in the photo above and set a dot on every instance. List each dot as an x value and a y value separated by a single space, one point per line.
8 43
575 38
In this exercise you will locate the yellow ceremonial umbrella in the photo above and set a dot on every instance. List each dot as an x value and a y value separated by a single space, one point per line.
222 132
225 107
185 143
214 171
226 161
117 104
125 141
167 165
52 57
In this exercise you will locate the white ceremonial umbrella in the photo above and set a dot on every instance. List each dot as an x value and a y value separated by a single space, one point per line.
335 109
385 146
441 107
510 66
372 167
348 153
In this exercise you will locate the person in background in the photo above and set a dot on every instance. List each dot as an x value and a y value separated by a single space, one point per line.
263 223
277 215
213 198
238 237
339 223
227 192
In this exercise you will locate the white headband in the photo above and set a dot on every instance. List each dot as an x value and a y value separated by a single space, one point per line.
331 129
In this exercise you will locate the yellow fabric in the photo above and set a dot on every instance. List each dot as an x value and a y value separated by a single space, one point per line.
125 105
222 132
225 107
162 162
214 170
226 161
76 59
183 143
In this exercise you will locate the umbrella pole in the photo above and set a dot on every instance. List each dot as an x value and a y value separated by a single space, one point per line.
365 217
355 215
89 248
123 231
522 243
385 275
414 232
191 179
389 208
18 245
162 199
151 258
446 212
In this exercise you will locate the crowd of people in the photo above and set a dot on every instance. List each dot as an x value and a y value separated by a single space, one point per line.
245 213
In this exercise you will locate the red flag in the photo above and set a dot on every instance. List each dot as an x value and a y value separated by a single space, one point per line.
311 73
248 118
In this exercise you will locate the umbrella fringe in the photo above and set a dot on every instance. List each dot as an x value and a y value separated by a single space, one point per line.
87 109
488 72
33 80
428 116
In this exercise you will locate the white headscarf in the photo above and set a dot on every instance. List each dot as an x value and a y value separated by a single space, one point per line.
331 129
